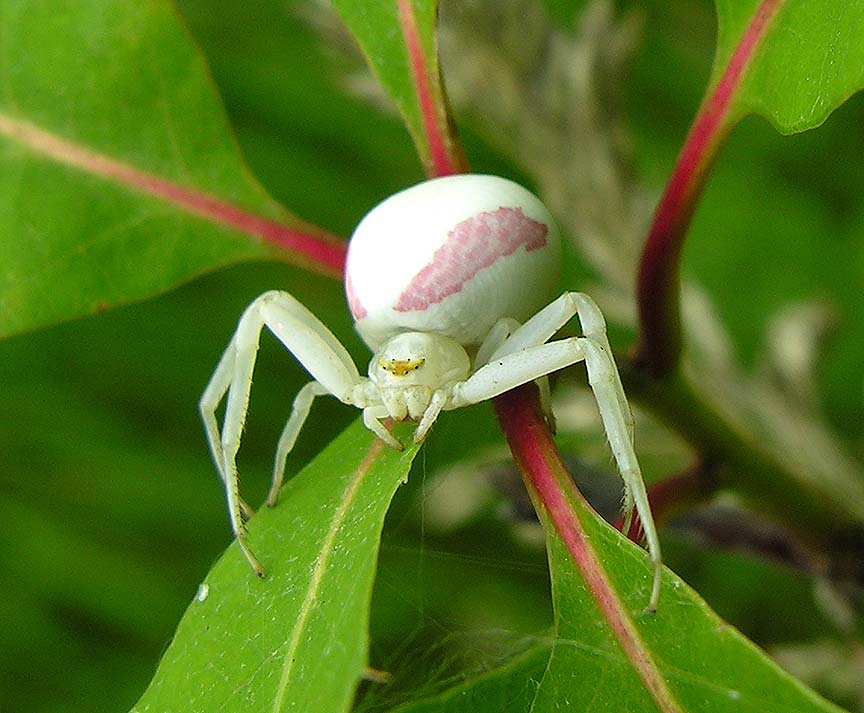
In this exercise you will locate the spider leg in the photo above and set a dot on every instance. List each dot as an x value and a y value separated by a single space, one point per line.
372 416
512 370
546 404
311 343
617 417
605 382
209 402
594 328
495 340
299 413
430 415
609 392
543 325
497 336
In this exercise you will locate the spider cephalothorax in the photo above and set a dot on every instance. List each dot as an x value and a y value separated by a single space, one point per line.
450 267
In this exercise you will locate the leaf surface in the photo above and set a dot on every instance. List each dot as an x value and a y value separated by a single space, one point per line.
706 664
120 175
296 640
809 61
788 60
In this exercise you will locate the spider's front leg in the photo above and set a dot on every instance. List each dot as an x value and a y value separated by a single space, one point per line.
314 346
524 356
605 382
494 342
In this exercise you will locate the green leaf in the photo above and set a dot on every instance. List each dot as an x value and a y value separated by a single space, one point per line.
509 688
706 664
296 640
120 176
810 60
399 41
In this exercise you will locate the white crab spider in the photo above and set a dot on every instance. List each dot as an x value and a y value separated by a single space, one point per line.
439 279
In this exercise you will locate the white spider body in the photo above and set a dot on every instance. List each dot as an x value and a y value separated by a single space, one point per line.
440 279
488 250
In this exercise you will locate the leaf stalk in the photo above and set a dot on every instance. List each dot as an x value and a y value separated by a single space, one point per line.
658 350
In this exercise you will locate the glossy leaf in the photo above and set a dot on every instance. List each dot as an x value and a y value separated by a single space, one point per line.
296 640
119 175
810 60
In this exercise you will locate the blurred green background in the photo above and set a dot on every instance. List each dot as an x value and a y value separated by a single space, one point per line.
111 509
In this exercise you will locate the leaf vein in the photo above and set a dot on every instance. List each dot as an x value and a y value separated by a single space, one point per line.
320 568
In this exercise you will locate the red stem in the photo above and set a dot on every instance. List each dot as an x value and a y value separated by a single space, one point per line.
316 249
549 483
658 282
444 157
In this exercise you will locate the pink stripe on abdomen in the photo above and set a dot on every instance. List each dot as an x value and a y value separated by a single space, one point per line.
358 311
473 245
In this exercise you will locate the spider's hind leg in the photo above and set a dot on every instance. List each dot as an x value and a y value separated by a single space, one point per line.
606 384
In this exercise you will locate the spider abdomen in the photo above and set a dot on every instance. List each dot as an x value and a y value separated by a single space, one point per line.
451 256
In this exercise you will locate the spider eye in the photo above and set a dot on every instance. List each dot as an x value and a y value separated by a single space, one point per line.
400 367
